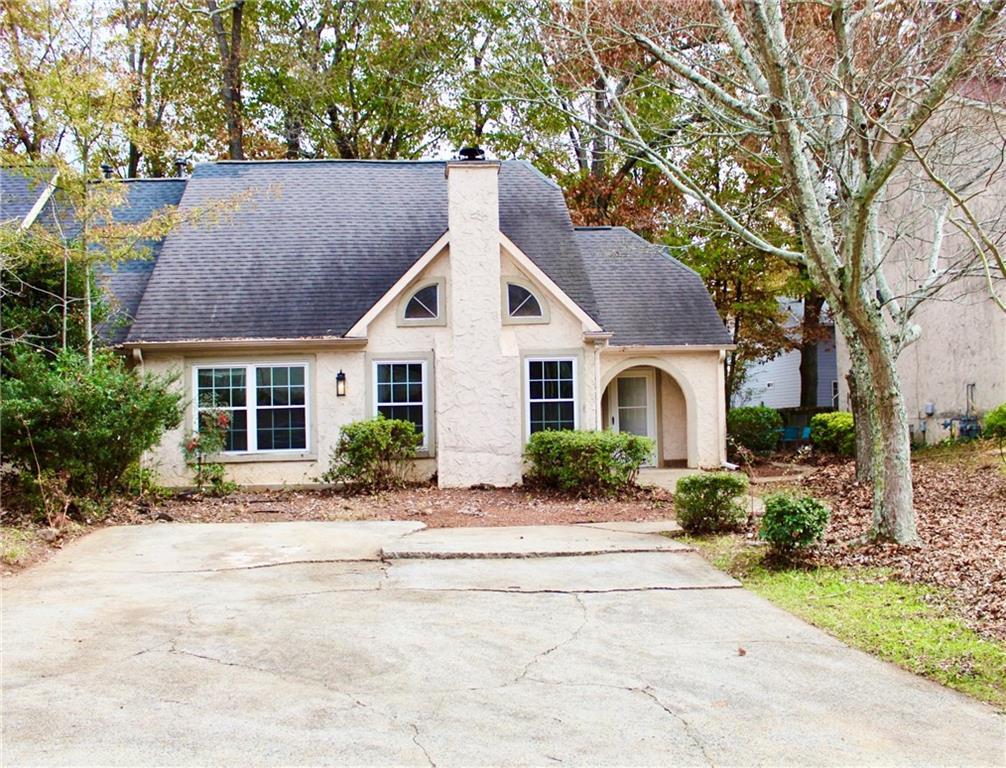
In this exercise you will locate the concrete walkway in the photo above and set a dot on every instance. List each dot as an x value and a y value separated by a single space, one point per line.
300 644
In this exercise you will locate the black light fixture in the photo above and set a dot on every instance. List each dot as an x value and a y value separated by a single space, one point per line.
340 384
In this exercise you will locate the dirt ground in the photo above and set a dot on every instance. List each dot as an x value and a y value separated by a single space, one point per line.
435 507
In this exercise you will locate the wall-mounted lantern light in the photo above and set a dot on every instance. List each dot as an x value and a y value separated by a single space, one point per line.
340 384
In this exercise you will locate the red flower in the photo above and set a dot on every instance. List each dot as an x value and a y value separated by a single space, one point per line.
223 420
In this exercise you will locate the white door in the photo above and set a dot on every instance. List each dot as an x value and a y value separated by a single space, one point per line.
633 406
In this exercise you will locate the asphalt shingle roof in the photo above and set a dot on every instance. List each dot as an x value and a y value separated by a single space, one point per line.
19 190
302 249
644 296
128 280
309 246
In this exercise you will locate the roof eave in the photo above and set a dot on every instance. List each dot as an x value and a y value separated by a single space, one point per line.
247 344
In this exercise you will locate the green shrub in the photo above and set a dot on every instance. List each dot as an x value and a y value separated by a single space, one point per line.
708 502
792 522
994 426
754 427
994 423
373 455
73 430
833 433
588 464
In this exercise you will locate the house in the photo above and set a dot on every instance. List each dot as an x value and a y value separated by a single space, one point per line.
776 382
455 294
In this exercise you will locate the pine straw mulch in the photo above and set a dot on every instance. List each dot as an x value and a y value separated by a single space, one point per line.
437 508
961 518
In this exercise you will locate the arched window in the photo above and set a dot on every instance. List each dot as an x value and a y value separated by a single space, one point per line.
424 304
521 303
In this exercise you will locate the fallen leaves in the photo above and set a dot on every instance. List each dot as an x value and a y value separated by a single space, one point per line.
961 519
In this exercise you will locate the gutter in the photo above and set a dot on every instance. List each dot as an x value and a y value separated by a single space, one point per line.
244 344
636 348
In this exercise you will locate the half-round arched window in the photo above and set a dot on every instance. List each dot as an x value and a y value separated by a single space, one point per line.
521 303
424 304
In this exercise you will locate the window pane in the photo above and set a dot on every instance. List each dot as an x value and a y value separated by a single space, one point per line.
237 434
296 395
263 377
297 376
415 372
416 393
535 367
423 305
522 302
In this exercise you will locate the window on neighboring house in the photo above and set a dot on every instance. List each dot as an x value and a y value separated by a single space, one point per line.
267 405
521 303
424 304
551 394
400 392
834 394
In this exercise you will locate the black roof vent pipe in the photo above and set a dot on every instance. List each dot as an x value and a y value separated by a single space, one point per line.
106 170
471 154
180 167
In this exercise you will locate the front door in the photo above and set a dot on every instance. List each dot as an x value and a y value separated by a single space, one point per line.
633 407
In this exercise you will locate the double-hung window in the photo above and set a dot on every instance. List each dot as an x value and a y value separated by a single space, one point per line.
266 405
400 392
550 384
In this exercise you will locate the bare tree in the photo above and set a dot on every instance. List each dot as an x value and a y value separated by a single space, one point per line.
844 94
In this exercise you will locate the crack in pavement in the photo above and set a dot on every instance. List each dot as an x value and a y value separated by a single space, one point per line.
415 740
541 656
648 692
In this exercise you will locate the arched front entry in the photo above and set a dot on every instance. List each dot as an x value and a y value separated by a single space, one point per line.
648 396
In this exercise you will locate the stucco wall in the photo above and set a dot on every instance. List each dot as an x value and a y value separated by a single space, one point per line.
563 334
673 420
962 342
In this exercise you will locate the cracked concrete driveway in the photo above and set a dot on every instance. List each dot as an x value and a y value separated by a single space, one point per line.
380 644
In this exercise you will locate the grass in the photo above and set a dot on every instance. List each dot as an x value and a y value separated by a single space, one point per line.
15 545
911 625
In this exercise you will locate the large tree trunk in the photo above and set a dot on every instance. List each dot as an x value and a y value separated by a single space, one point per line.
809 337
891 458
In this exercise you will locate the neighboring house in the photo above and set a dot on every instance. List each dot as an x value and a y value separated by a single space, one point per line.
776 382
455 294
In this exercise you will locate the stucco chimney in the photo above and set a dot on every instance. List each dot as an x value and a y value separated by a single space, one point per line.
478 409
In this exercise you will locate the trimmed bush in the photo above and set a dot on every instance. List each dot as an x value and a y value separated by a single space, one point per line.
73 430
793 522
833 433
374 454
587 464
708 502
754 427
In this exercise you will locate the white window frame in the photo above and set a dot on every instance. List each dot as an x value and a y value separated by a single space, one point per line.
509 319
251 406
527 389
440 319
374 403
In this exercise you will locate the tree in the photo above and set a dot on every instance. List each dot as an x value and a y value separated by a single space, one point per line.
841 94
228 41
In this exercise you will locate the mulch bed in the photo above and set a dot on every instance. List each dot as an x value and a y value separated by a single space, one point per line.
961 519
435 507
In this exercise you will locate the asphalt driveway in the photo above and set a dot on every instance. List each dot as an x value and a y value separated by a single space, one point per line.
382 644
